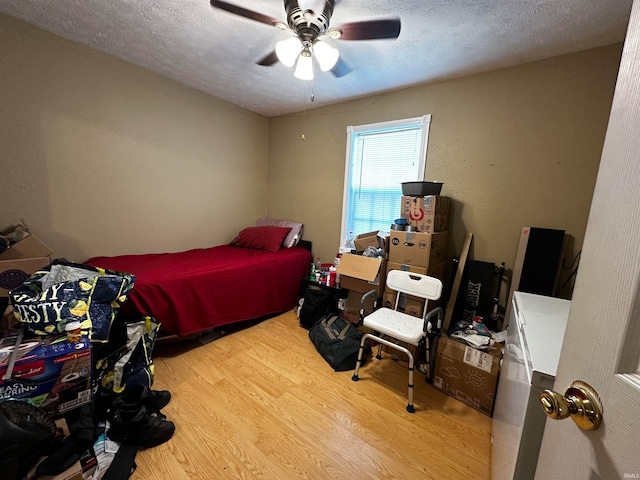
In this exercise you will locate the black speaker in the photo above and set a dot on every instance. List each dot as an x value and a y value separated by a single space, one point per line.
543 254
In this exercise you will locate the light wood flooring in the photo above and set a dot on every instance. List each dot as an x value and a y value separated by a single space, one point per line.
261 403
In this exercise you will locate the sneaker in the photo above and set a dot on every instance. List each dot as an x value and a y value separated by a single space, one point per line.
140 428
140 395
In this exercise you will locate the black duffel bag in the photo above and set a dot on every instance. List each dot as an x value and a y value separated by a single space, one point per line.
338 341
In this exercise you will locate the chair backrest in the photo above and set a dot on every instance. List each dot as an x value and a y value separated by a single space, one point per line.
423 286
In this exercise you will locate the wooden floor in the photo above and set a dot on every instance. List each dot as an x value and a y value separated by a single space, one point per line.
261 403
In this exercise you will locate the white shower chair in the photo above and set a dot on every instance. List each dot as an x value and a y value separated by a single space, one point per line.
387 322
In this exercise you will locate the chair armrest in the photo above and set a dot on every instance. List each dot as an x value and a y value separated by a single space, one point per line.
427 321
372 293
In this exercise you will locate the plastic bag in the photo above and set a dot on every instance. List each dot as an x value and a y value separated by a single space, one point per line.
131 362
64 292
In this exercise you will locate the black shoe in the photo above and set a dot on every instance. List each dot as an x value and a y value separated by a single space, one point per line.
139 396
139 428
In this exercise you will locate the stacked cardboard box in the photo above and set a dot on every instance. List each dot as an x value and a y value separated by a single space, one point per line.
417 252
408 303
422 251
429 214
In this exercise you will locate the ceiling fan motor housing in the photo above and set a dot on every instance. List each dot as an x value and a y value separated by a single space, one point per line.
306 23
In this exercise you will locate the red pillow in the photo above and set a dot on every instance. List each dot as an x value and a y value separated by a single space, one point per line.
267 238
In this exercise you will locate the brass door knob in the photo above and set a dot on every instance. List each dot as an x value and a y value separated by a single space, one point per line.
580 402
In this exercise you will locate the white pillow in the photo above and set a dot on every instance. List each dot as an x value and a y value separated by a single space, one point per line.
294 236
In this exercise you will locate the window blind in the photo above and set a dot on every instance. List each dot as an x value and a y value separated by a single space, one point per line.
382 156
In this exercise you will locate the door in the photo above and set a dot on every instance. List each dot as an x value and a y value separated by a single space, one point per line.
602 342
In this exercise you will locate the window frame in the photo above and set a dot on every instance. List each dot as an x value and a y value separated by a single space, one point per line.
424 120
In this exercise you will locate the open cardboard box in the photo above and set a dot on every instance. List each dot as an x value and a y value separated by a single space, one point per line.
21 260
361 274
375 239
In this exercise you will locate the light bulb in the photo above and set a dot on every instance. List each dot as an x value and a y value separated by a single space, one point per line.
288 50
304 68
326 55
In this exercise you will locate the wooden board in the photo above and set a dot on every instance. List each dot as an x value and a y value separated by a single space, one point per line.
456 282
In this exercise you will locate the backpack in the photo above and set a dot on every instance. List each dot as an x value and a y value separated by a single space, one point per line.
316 304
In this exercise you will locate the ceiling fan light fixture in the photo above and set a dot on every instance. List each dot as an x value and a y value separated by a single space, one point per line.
304 68
326 55
288 50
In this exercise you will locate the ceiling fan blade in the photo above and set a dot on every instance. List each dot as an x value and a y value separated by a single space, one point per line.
370 29
268 60
243 12
341 68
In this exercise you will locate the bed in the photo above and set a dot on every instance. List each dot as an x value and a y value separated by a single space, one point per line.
198 290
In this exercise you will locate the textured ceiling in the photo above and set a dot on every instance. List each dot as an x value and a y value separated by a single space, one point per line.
215 51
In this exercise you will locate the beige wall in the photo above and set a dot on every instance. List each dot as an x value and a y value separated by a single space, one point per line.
100 157
515 147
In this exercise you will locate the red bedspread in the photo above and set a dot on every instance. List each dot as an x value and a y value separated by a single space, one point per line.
197 290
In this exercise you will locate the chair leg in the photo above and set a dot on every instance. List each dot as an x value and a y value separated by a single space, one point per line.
359 361
427 377
379 355
410 408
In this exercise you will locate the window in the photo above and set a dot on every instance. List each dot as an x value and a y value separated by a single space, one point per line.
380 157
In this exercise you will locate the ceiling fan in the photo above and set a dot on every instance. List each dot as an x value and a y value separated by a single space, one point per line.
309 29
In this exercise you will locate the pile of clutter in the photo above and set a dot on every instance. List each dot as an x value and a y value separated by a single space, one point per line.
476 334
76 377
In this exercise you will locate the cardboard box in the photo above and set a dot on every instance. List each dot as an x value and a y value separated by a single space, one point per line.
352 306
21 260
361 274
417 249
429 214
467 374
74 472
14 273
28 247
407 303
438 271
51 374
375 239
418 352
